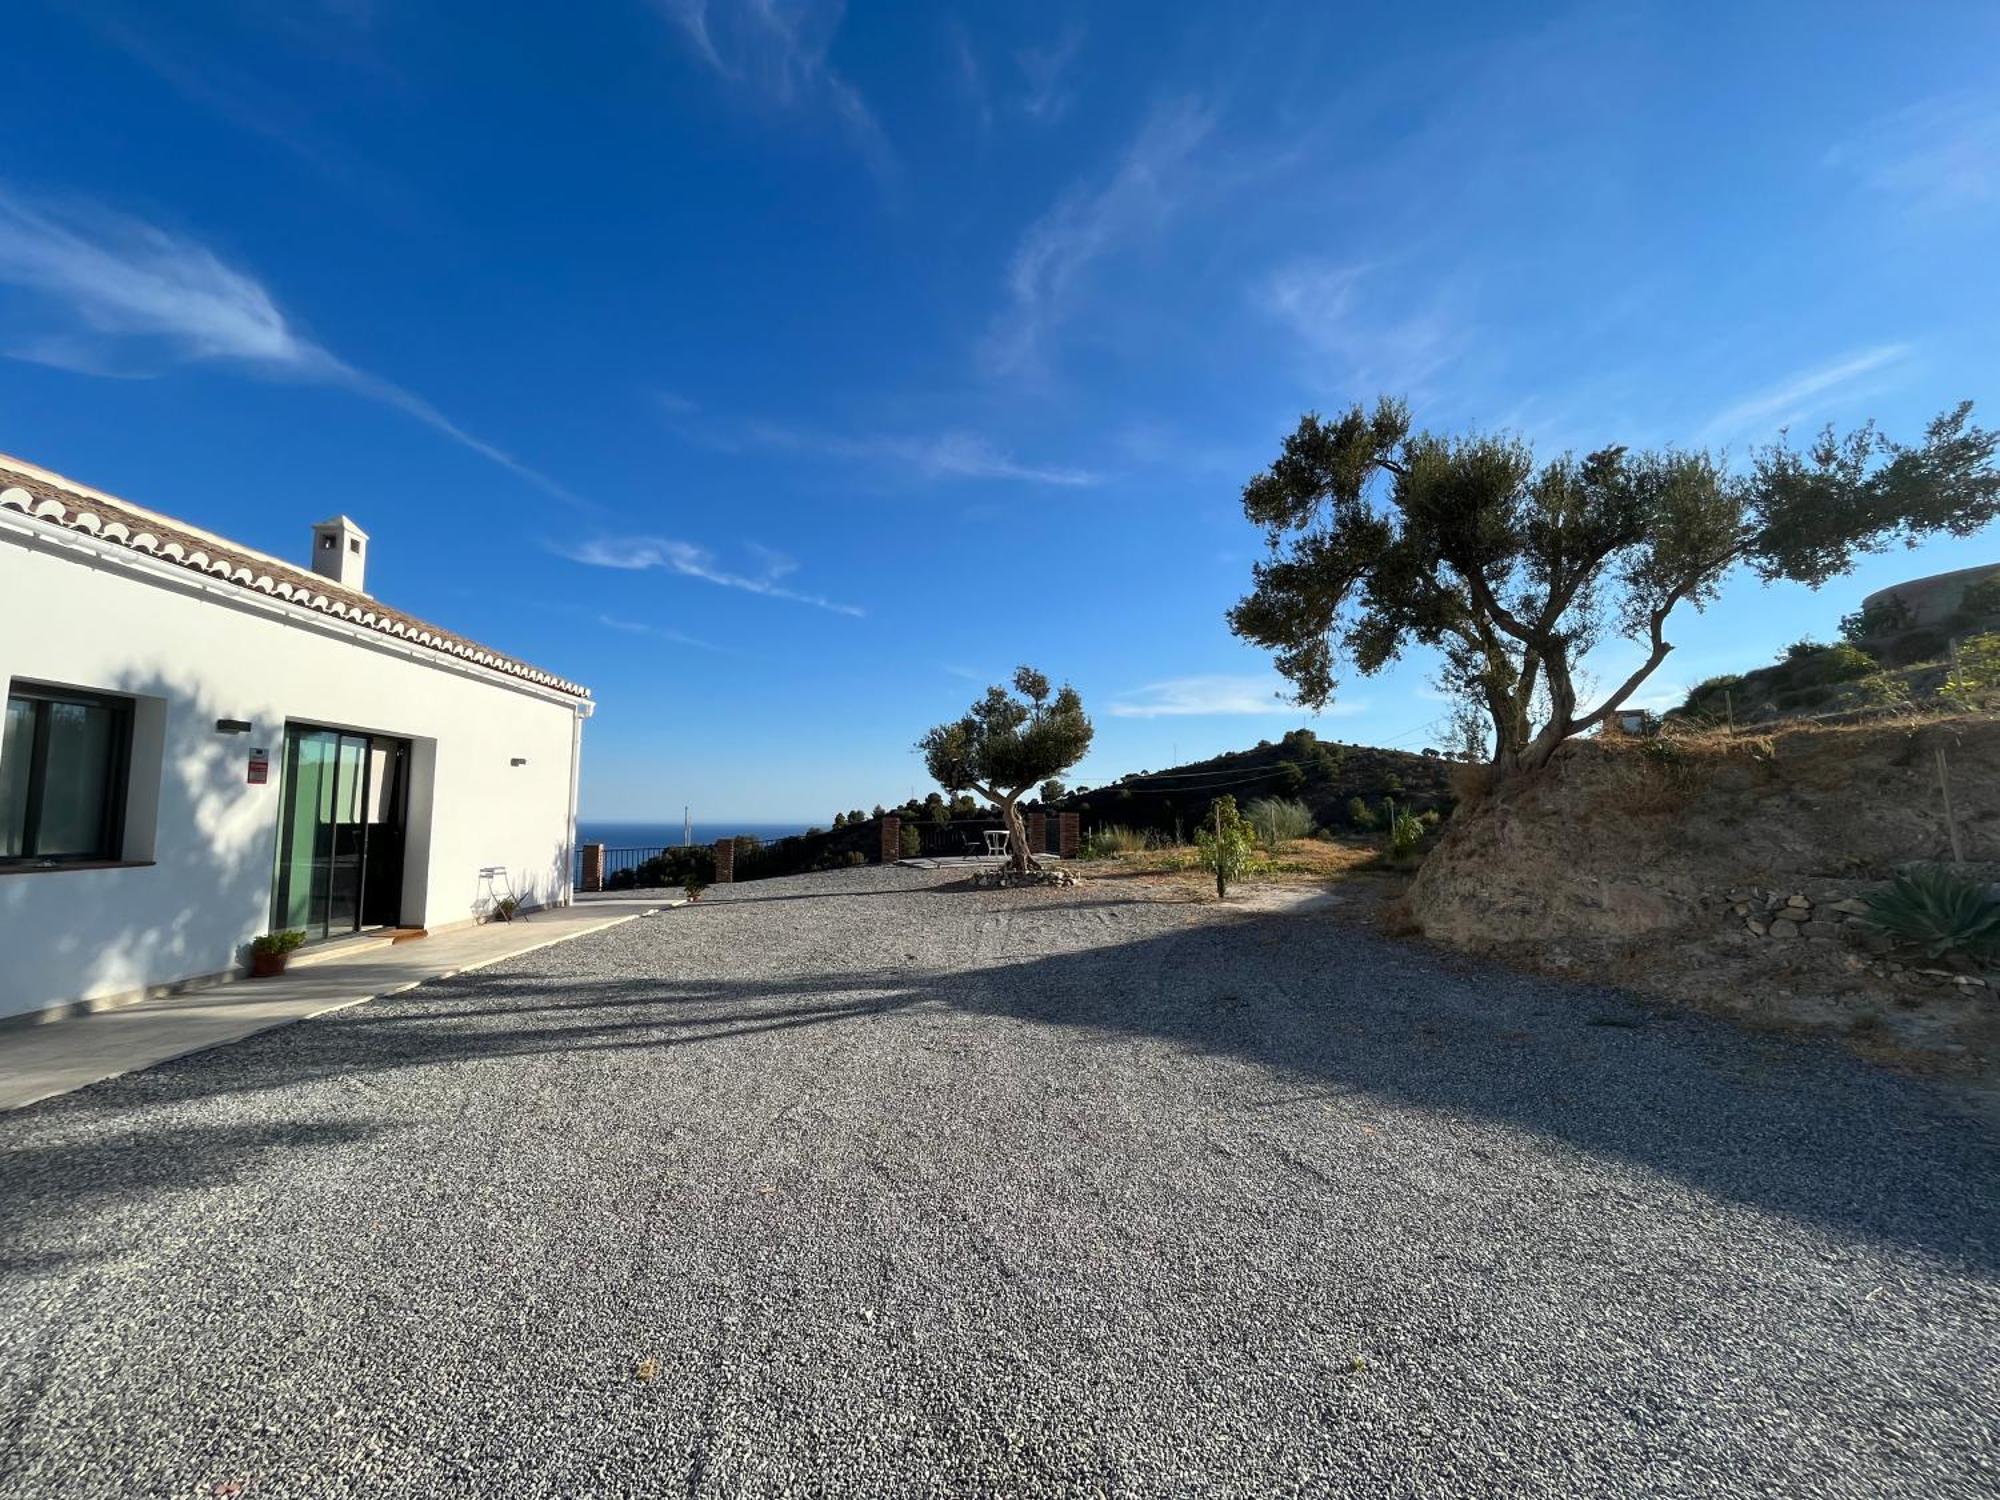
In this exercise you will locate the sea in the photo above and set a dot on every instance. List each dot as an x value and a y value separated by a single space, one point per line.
665 835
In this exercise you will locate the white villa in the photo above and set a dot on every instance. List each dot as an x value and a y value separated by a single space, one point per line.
203 743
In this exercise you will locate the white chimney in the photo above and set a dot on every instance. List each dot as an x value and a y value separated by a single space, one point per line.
340 552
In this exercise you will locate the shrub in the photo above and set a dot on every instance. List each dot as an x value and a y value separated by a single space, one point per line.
1276 819
1889 617
1939 912
1225 843
694 885
1979 603
1405 830
1802 650
1914 646
278 942
1360 814
1706 696
1109 840
1843 663
912 842
1977 674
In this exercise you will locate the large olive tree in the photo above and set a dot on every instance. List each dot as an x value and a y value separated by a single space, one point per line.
1005 745
1382 538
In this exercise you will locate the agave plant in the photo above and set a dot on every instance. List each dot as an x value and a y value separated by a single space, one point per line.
1939 912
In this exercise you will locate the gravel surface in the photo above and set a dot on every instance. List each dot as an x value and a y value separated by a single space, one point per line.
857 1185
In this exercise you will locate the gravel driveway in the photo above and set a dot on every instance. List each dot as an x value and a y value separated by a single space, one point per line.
857 1185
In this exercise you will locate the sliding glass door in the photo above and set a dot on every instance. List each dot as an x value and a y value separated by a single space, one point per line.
340 835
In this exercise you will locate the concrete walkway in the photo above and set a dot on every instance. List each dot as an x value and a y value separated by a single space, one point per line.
37 1062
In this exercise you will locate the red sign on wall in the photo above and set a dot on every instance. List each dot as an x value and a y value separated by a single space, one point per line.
260 766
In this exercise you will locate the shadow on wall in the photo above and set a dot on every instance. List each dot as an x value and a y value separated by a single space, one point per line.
82 933
1791 1129
548 886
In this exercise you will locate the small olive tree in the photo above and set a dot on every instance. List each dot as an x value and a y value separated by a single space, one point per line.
1006 744
1382 538
1225 843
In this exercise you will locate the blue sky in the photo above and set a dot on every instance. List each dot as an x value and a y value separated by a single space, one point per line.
787 373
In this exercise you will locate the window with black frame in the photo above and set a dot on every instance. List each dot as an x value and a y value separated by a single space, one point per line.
63 758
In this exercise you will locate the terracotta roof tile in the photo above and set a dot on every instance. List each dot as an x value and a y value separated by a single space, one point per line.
74 507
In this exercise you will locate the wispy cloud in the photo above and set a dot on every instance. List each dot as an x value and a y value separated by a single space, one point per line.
778 54
1804 394
657 632
638 553
122 297
1190 696
1359 343
1045 279
1937 154
971 76
1047 95
943 455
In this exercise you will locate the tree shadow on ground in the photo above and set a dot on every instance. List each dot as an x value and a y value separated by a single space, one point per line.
50 1184
1796 1128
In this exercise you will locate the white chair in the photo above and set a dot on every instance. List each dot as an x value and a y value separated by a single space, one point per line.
494 884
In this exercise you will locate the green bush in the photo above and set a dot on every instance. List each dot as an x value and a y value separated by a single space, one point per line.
1890 617
1976 677
1225 843
1938 912
1979 603
1360 814
1276 819
1406 830
912 842
1842 663
278 942
1801 650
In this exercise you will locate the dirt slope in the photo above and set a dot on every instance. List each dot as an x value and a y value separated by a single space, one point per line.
1680 868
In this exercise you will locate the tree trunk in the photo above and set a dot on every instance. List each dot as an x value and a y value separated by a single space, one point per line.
1017 835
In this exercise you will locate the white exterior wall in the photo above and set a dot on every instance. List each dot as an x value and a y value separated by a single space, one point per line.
81 613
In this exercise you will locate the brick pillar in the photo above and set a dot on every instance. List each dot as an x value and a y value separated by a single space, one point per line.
891 848
725 861
1069 834
593 867
1038 833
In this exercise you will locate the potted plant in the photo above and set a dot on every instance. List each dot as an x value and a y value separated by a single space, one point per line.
269 952
506 907
694 885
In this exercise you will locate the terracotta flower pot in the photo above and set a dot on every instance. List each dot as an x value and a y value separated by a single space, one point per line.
267 965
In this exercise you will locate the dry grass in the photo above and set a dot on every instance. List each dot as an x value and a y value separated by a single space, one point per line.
1176 869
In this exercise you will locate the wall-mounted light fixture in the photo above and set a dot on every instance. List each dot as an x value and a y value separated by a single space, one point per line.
519 760
232 726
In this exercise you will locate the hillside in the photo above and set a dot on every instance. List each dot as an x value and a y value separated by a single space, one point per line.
1324 774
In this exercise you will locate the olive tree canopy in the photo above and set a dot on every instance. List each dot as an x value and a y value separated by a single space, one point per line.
1382 538
1005 745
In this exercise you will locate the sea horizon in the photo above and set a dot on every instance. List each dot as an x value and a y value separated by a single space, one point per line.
641 833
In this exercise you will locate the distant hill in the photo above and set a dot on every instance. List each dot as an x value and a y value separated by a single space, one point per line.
1323 774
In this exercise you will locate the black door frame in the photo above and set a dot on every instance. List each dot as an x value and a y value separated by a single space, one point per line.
399 792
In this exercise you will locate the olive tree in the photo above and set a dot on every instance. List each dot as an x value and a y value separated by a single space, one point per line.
1006 744
1382 538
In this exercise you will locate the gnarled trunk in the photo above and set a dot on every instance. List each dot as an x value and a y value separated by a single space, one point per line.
1017 836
